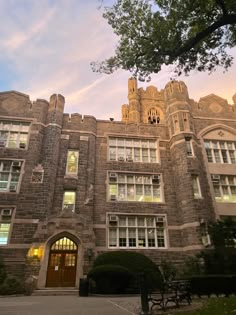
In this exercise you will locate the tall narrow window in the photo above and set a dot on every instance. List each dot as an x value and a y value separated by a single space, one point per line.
189 147
72 162
69 201
4 233
196 187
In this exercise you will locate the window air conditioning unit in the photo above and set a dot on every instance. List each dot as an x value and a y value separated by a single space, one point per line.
22 145
121 158
2 144
6 212
13 188
206 240
215 178
113 177
113 197
16 164
156 179
113 218
129 159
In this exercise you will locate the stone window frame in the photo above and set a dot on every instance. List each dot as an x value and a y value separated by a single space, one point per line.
10 168
68 172
138 150
197 193
143 187
133 231
68 205
224 187
220 151
14 134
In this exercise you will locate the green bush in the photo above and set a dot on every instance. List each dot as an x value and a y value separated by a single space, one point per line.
136 263
11 285
2 271
220 261
213 284
110 278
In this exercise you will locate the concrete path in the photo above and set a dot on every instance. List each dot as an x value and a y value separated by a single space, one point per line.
69 305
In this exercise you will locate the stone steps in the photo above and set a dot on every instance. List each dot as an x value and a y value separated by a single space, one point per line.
55 291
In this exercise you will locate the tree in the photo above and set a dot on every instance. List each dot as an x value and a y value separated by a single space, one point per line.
223 233
189 34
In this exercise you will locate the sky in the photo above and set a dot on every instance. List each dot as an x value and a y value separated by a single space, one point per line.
46 47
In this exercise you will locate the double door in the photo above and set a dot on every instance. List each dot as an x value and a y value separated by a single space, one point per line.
62 269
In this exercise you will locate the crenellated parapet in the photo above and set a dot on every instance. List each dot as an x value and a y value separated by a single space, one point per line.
176 91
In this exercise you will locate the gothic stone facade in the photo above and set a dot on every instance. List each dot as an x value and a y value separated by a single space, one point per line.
72 187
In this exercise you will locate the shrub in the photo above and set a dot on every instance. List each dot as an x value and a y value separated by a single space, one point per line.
213 284
11 285
136 263
2 271
192 266
110 278
220 261
168 270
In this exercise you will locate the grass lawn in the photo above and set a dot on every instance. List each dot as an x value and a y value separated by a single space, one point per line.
214 306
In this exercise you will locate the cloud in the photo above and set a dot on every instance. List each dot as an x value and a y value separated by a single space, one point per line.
46 47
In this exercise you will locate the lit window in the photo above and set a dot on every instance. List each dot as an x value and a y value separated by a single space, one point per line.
69 201
224 187
196 187
14 134
220 151
189 147
10 174
134 187
136 231
130 150
72 162
4 233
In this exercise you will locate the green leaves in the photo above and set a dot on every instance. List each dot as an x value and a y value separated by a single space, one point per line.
189 34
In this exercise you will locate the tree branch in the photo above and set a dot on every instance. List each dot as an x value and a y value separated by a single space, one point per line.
222 5
224 20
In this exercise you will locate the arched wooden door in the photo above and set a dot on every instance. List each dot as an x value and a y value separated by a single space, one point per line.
62 263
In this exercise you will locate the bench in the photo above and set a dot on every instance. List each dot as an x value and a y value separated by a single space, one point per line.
172 292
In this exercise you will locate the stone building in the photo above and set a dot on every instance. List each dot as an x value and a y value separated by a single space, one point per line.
72 187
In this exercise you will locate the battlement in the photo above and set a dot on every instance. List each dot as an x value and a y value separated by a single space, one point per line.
151 92
78 122
176 91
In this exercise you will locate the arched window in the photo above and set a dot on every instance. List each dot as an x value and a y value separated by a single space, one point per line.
64 244
153 116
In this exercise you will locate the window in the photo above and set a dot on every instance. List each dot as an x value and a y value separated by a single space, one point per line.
189 147
137 150
69 201
220 151
130 231
196 187
72 162
153 116
10 174
224 187
13 134
4 233
135 187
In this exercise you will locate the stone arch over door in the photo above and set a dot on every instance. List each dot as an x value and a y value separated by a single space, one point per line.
62 265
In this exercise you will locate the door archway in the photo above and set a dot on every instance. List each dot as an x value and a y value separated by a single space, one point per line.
62 263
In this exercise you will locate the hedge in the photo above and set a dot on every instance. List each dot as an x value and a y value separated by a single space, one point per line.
213 284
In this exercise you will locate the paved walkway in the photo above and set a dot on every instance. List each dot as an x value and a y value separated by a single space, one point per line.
69 305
